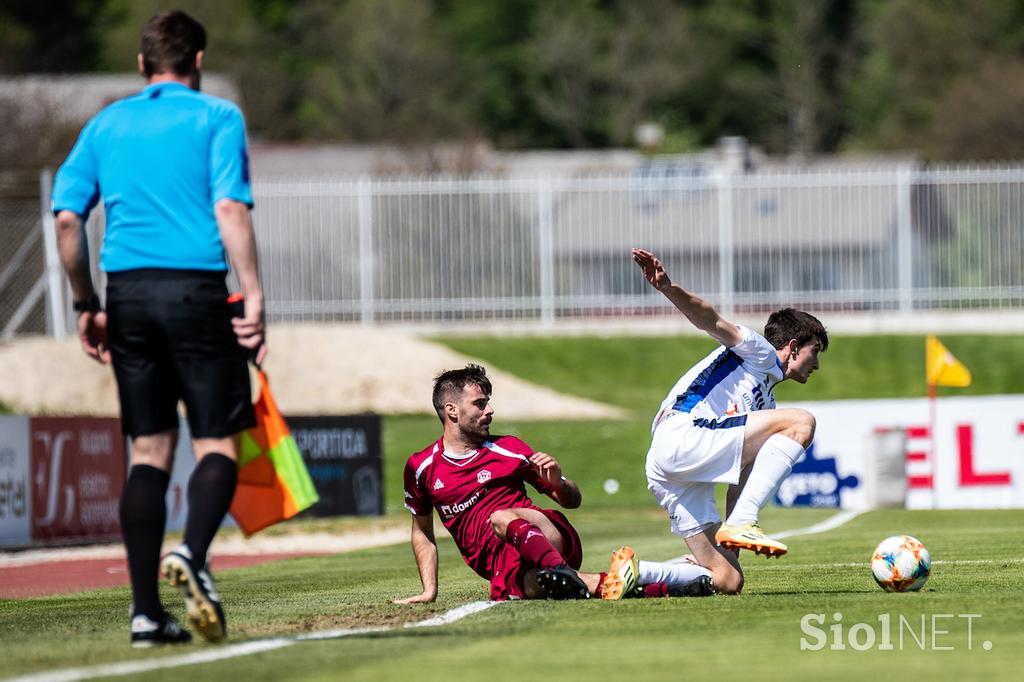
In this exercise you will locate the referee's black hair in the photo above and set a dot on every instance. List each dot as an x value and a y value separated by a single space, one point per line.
790 323
448 385
170 42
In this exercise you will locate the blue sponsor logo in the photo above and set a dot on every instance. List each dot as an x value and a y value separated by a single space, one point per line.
814 483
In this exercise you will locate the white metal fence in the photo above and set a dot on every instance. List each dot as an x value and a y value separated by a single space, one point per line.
487 248
492 248
23 302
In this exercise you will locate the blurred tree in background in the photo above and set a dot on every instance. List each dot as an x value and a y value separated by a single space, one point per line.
945 77
378 70
568 70
42 36
934 73
52 35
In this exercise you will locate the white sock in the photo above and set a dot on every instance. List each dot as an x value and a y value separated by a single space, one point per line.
774 461
673 574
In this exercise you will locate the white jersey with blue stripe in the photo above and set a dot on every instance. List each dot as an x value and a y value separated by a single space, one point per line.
729 381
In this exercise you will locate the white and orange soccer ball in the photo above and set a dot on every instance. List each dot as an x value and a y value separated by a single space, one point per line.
901 564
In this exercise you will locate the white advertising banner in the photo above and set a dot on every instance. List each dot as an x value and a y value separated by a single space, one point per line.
15 486
965 453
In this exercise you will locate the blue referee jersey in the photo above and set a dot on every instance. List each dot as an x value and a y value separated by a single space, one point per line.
160 160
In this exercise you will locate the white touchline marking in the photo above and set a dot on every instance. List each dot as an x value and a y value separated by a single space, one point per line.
237 650
338 634
130 667
828 524
864 564
454 615
837 520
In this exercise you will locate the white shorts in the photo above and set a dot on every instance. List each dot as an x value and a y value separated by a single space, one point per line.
687 458
690 506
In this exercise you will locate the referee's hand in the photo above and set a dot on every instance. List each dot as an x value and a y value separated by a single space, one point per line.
251 329
92 334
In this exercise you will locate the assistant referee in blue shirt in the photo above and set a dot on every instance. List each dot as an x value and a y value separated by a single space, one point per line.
172 169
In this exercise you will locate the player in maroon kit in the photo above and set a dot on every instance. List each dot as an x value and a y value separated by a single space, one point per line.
476 483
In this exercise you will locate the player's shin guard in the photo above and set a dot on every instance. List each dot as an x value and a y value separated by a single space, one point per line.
774 461
531 544
143 516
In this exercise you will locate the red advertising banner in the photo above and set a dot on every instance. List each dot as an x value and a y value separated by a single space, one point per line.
78 467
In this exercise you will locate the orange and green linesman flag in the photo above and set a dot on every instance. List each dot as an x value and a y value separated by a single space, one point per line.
942 368
273 483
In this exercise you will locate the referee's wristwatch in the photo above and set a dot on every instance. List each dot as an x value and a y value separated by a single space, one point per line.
88 305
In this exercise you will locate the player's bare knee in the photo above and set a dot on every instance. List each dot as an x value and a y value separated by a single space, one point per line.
809 424
727 582
801 427
499 521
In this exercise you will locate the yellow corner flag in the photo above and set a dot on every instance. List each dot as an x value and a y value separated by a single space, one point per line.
942 368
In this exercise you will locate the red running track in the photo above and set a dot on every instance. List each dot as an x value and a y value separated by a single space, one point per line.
74 575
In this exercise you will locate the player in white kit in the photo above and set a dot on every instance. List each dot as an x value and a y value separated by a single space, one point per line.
718 425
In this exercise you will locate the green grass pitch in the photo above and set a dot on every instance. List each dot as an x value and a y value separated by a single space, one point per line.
977 575
978 572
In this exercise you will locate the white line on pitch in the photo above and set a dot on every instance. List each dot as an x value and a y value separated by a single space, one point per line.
453 615
828 524
864 564
237 650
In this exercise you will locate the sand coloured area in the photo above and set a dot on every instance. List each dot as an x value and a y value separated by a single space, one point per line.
313 370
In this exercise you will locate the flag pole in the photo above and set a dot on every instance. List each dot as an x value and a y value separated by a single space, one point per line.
932 400
941 369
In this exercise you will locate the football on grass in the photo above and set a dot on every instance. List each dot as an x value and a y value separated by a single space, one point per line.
901 564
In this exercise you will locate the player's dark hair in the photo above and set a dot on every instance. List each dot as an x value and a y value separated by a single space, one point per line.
170 42
448 385
790 323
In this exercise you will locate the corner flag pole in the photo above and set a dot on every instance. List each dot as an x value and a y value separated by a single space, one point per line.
932 455
941 369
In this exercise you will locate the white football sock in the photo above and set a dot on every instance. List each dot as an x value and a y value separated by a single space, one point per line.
773 463
673 574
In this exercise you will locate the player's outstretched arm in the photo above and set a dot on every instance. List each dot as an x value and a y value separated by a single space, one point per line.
564 491
424 548
699 312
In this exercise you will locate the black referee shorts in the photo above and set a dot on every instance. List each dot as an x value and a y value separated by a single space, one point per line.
171 339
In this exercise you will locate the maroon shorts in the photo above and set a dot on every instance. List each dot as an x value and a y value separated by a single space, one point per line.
508 569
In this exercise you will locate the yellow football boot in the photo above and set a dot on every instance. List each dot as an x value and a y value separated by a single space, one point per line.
622 575
749 536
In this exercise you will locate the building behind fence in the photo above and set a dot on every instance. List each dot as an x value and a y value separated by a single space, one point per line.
894 240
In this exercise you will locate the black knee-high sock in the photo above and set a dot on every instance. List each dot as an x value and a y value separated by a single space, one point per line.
210 490
143 516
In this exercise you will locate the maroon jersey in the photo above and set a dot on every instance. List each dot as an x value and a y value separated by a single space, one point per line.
466 491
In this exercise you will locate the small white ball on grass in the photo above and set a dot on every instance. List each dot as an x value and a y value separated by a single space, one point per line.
611 486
